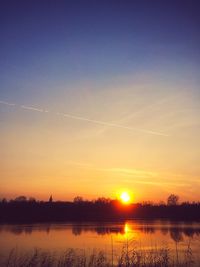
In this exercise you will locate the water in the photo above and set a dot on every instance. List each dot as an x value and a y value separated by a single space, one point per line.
102 236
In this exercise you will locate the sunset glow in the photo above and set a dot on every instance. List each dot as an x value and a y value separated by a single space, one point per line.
99 133
125 198
90 106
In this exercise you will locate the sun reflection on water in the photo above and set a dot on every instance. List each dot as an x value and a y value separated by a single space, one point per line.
129 232
127 228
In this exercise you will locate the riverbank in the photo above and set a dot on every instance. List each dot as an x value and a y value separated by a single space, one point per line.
32 212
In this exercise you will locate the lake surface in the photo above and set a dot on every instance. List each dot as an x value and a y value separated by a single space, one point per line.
102 236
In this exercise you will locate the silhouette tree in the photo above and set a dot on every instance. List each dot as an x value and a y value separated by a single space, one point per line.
103 200
4 200
21 199
172 200
78 199
32 199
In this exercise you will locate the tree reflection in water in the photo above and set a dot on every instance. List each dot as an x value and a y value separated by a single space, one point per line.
177 232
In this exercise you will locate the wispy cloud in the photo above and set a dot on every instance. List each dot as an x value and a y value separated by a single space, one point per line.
80 164
133 172
146 109
162 184
140 176
75 117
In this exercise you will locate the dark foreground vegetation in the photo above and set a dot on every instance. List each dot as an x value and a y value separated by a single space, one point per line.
129 257
23 210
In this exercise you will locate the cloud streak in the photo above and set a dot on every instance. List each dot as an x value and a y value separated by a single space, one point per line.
80 118
131 172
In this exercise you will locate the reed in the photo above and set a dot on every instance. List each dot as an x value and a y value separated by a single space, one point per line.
130 256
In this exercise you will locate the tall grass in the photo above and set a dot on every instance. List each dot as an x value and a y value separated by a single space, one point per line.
129 257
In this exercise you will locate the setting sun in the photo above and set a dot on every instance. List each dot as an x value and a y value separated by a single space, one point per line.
125 197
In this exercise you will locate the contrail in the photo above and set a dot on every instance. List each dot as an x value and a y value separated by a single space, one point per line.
6 103
32 108
104 123
112 124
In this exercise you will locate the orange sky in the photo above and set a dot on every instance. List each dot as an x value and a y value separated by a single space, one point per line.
45 153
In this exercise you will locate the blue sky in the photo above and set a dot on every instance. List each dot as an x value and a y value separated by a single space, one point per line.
54 42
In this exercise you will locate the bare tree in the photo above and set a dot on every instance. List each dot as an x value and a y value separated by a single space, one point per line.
103 200
172 200
78 199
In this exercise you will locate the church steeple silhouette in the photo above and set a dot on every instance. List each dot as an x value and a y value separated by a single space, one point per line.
51 199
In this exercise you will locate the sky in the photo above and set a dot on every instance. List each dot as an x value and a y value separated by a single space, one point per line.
97 97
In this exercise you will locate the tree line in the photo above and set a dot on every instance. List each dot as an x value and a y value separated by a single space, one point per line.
23 209
172 200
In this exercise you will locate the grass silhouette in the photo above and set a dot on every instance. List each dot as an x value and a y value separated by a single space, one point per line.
130 256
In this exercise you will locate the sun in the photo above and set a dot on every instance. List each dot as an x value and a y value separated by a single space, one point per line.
125 197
